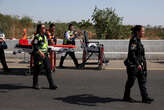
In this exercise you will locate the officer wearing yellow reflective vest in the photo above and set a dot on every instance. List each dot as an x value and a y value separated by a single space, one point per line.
69 39
41 60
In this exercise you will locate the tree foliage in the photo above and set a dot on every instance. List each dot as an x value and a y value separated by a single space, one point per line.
13 26
107 23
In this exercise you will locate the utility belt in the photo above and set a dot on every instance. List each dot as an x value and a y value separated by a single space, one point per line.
132 68
38 59
129 63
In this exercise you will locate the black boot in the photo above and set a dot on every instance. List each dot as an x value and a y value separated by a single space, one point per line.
36 87
35 83
51 82
6 70
127 96
61 61
129 99
147 100
53 87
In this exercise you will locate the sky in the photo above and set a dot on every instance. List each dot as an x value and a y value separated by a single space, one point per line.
142 12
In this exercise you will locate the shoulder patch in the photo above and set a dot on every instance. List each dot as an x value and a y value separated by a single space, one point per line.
133 46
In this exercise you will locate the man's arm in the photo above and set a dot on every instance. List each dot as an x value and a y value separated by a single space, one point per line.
74 35
36 47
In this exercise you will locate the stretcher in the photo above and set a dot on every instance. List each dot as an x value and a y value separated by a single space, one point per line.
54 49
91 48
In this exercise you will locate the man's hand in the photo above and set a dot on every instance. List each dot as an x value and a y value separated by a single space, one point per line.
42 54
75 32
139 67
71 37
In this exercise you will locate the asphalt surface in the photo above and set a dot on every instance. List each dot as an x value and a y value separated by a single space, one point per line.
87 89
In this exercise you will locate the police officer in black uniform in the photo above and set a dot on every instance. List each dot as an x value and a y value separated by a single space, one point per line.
69 39
41 60
2 54
136 66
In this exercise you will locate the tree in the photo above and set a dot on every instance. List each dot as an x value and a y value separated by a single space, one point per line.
107 23
74 23
84 24
61 28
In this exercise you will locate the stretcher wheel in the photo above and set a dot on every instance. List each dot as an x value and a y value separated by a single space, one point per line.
100 67
27 72
81 66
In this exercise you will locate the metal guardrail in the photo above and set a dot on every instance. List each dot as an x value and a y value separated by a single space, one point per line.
114 49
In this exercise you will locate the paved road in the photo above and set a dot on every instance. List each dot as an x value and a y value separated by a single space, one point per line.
112 65
78 90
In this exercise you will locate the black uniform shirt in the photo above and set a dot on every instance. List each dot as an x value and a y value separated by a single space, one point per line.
136 52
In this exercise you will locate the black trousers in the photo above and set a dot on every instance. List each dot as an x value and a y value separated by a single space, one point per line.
39 67
134 74
3 59
72 55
